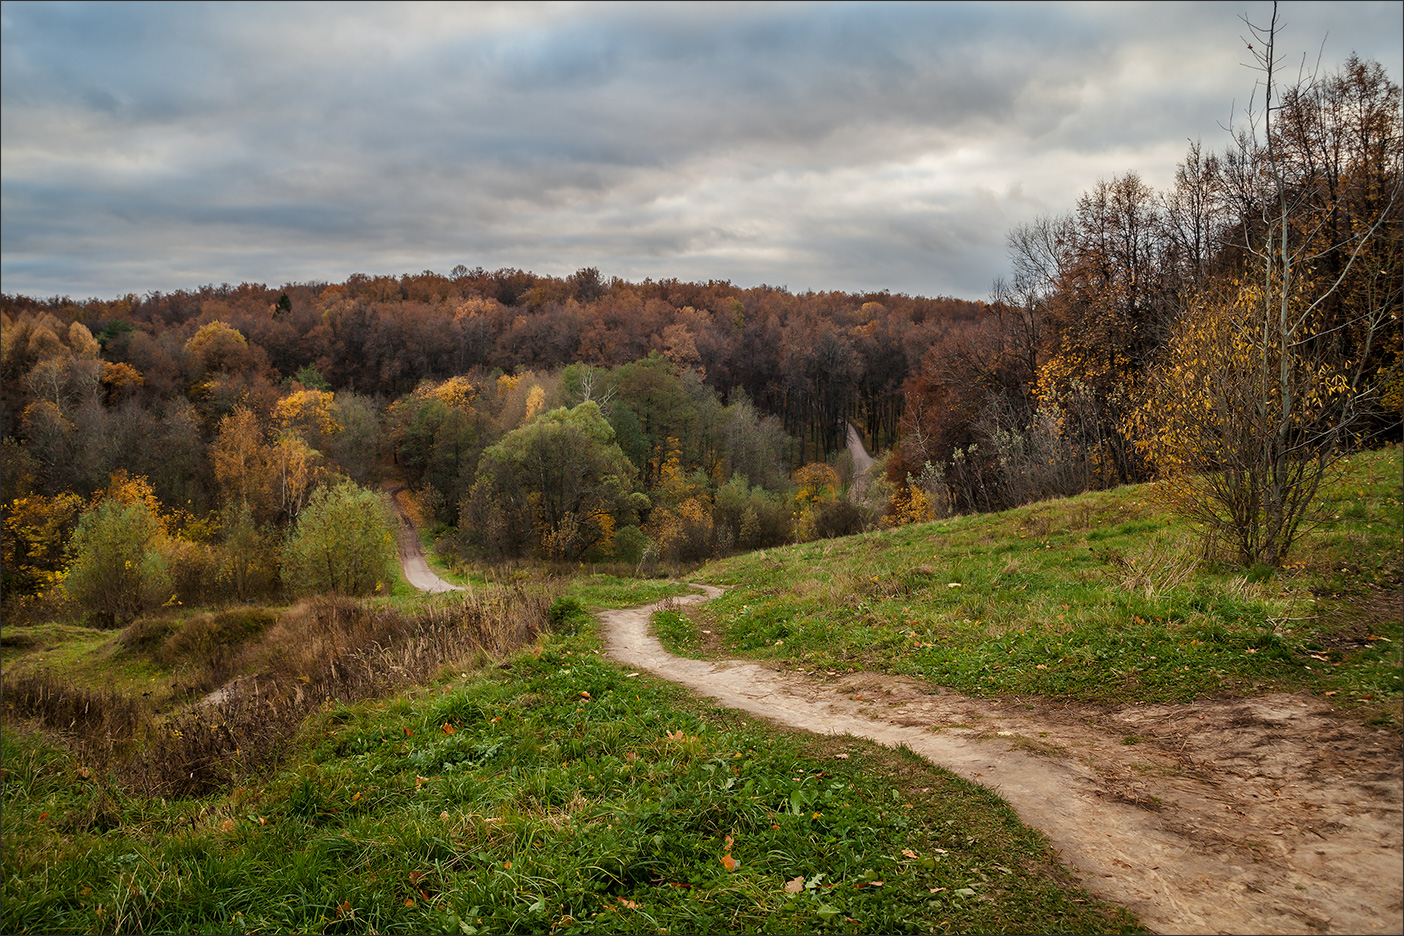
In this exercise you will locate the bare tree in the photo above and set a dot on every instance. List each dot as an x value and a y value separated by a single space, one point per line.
1256 402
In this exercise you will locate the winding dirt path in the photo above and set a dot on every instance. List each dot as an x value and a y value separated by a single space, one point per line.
417 570
1264 815
862 463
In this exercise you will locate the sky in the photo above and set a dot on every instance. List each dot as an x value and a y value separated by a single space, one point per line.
854 147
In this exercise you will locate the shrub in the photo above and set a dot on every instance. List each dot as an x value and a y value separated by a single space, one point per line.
118 570
344 543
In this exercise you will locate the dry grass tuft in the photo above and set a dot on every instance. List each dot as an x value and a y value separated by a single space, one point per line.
325 651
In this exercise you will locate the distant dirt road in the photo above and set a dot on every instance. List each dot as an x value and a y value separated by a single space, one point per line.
862 461
417 571
1263 815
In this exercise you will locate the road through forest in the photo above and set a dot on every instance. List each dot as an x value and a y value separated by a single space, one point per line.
417 570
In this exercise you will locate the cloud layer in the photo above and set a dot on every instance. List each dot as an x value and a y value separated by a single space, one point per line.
852 147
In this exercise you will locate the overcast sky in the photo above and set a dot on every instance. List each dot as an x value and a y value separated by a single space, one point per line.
817 147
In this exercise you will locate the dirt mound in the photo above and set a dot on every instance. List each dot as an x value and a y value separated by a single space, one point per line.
1263 815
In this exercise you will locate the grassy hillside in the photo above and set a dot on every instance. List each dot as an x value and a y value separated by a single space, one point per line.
548 791
1104 597
543 789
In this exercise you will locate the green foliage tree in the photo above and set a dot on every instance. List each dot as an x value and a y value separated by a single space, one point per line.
560 484
344 543
118 570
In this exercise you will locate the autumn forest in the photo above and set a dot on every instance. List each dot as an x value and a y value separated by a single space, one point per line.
587 418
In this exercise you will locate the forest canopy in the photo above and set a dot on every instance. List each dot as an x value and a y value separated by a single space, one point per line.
591 418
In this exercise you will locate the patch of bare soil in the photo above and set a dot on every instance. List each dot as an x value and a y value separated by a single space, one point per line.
1263 815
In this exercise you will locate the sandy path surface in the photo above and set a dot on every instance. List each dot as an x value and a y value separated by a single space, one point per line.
1264 815
417 570
862 461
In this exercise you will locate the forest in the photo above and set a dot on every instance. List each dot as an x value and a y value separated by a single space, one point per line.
189 446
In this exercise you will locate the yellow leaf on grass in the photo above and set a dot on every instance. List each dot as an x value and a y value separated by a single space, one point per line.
908 853
795 886
728 862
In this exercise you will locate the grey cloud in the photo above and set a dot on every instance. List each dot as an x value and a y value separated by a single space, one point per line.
678 140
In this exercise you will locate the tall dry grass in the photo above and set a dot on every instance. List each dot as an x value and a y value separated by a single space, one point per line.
326 650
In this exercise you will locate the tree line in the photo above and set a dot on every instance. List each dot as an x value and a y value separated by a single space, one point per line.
531 416
1241 327
1139 334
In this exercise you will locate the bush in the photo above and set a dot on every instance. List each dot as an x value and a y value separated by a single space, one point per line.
118 570
753 517
630 543
344 543
838 518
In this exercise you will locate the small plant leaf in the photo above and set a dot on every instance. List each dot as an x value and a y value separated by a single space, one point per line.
795 886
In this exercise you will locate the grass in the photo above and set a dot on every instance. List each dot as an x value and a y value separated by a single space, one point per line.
545 790
555 793
1104 597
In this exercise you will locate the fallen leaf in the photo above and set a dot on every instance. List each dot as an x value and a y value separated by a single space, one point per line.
728 862
416 876
841 756
630 675
227 825
344 909
409 901
936 890
629 903
444 815
584 694
495 720
84 772
795 886
507 864
908 853
448 728
408 733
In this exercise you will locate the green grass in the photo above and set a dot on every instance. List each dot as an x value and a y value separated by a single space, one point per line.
557 794
678 635
598 590
1100 597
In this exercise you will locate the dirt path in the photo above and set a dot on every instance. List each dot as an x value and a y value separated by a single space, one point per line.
862 461
417 570
1265 815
